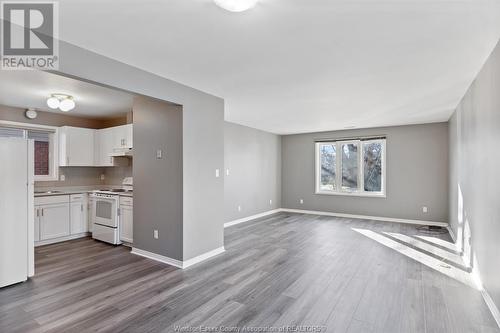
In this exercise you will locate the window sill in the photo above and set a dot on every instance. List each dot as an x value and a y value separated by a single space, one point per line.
46 179
353 194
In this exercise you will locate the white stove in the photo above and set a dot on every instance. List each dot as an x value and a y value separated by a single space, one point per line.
106 213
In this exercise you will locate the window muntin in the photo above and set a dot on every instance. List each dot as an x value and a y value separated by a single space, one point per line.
357 167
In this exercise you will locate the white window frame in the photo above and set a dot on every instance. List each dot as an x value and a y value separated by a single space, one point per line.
360 192
53 146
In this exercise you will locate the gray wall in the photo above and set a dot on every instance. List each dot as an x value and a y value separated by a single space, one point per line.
417 174
203 141
158 125
253 158
475 176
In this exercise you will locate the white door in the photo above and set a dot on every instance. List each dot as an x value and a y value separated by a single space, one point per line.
120 136
14 217
126 224
77 146
54 221
77 218
90 219
105 146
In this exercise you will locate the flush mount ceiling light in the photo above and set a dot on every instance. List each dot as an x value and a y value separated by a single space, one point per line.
236 5
62 102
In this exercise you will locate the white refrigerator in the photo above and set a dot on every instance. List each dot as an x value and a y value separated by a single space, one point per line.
16 210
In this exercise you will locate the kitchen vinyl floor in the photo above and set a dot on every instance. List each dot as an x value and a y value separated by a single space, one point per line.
331 274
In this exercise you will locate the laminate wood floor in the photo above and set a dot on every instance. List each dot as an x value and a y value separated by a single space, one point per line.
330 274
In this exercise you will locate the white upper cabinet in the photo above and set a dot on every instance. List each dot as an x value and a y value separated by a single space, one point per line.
89 147
122 137
76 146
104 147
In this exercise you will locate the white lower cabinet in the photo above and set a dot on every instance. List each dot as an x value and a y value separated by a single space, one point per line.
90 218
37 224
59 217
126 219
54 221
78 214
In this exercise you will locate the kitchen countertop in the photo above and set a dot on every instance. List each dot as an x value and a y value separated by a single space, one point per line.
75 190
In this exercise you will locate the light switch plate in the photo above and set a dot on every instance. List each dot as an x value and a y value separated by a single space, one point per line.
301 201
217 173
227 172
62 178
103 177
159 154
425 209
155 234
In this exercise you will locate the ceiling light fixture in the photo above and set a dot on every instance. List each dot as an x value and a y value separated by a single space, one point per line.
236 5
62 102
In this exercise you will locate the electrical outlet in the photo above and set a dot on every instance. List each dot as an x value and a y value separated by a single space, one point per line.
301 201
217 173
155 234
424 209
103 177
227 172
239 208
62 178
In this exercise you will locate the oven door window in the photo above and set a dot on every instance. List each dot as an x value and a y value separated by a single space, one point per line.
103 209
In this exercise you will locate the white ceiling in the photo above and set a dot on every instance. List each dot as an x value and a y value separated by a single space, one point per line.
290 66
30 89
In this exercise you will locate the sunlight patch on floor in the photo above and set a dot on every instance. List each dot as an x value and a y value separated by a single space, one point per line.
452 257
431 262
439 242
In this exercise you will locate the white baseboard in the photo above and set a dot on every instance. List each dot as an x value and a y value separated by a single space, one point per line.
203 257
175 262
491 305
365 217
157 257
252 217
62 239
452 234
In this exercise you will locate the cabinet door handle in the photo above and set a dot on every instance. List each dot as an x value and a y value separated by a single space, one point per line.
67 160
42 211
111 160
81 207
37 212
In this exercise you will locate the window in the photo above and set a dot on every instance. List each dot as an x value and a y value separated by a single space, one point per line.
42 152
351 167
45 146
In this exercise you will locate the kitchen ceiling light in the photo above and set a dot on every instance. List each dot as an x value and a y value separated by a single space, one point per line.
64 102
53 102
236 5
67 104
